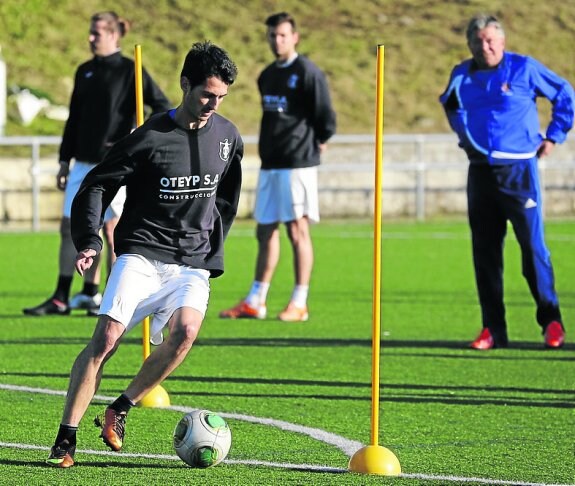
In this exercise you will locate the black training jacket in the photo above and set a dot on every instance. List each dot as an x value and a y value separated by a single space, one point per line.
297 115
103 106
182 193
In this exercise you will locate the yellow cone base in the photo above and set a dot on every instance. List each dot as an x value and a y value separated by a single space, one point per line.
157 398
375 460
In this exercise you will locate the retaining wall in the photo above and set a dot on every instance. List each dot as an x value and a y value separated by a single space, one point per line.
346 180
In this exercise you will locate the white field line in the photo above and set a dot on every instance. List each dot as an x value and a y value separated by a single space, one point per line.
283 465
347 446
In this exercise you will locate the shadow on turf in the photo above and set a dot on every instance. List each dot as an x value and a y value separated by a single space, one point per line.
99 465
448 398
390 392
299 342
316 383
148 465
385 344
74 314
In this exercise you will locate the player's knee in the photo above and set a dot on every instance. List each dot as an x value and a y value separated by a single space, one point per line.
297 233
185 332
106 337
103 349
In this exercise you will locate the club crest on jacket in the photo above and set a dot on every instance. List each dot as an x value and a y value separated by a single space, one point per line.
225 147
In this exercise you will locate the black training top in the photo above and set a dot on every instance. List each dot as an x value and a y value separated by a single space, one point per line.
297 115
182 192
103 106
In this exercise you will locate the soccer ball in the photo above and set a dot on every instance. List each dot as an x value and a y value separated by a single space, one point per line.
202 439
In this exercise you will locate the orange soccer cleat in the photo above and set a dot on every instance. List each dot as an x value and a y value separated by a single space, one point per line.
244 311
113 426
294 314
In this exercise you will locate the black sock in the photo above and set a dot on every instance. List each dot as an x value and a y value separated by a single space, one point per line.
90 289
63 288
66 432
122 404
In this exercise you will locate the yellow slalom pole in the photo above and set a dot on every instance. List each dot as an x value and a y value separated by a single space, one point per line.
146 337
375 459
157 397
377 216
139 85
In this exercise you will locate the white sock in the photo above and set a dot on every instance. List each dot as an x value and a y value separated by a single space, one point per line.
299 295
258 294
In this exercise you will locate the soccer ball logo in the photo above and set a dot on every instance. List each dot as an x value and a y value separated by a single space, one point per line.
202 439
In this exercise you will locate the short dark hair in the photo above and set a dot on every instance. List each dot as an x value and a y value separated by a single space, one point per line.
205 60
279 18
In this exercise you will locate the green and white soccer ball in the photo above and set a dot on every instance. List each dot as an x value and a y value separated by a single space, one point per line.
202 439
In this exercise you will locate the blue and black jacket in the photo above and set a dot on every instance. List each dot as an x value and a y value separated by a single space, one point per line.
494 111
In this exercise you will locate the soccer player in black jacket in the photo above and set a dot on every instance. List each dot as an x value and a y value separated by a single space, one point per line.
182 175
102 111
297 122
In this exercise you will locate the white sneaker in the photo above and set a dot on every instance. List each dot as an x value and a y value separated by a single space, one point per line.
83 301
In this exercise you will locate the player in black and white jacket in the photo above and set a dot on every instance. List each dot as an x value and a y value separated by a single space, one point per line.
183 177
182 190
102 111
297 122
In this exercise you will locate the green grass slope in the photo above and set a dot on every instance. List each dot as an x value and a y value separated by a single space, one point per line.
44 40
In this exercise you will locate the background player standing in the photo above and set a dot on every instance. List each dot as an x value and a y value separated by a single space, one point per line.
297 122
102 111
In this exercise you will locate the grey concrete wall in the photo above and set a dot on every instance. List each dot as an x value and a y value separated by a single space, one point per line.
347 181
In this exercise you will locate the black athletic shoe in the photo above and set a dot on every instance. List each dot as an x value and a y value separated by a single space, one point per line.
61 455
51 306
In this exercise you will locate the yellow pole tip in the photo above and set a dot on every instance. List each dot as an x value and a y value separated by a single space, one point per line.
157 398
375 460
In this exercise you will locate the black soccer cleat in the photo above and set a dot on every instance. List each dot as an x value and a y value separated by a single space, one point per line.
61 455
51 306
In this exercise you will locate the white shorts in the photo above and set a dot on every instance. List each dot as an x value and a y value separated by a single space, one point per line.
77 174
286 195
139 287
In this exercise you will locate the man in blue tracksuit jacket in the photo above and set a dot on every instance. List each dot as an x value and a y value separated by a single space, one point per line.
490 103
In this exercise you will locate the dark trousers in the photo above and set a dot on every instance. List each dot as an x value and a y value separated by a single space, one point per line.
495 195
